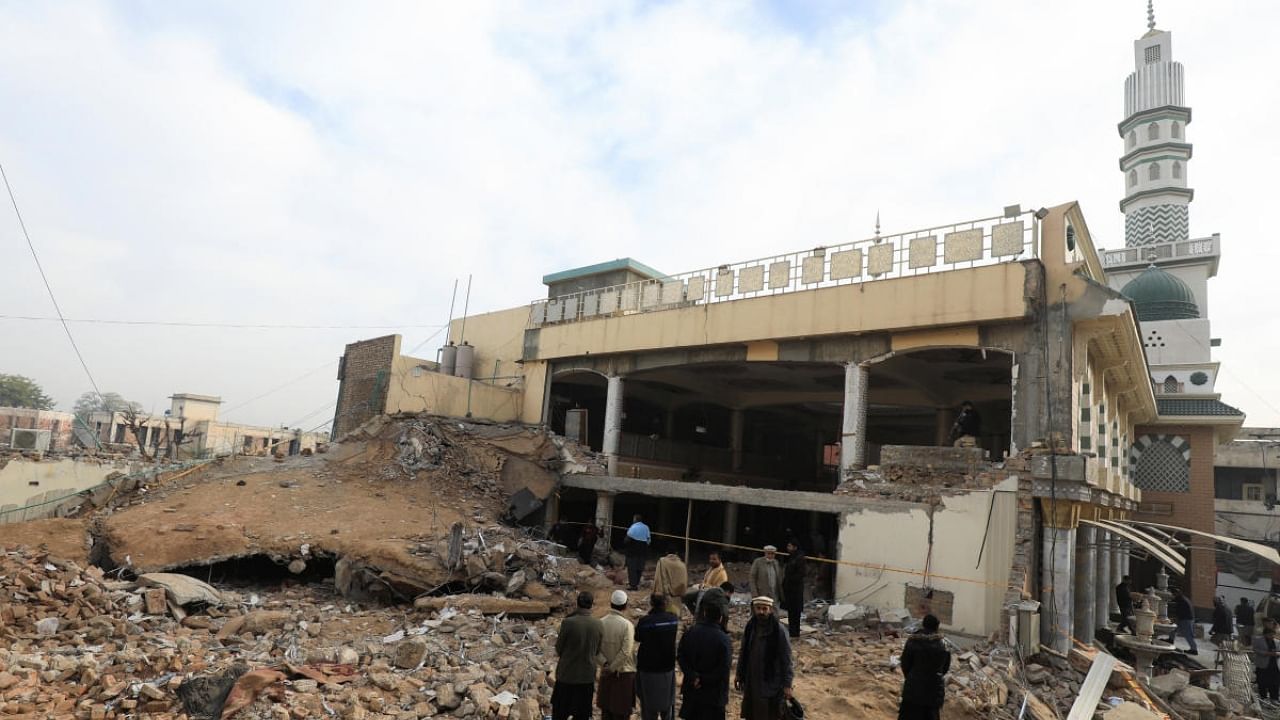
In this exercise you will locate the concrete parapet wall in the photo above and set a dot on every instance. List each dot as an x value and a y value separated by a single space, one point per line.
957 459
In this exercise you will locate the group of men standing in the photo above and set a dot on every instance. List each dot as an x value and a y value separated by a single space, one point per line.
639 662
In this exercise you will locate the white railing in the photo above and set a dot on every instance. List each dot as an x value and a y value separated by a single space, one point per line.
1197 247
976 243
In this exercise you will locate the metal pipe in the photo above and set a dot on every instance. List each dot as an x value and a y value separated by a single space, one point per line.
466 305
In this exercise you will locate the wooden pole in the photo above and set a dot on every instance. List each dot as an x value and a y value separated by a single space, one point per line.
688 527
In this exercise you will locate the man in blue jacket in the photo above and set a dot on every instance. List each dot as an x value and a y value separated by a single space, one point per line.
636 548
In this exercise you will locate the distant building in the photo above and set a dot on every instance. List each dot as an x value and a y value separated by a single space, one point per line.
190 429
1244 504
43 430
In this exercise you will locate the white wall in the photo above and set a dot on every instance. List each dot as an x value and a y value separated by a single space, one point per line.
874 540
26 482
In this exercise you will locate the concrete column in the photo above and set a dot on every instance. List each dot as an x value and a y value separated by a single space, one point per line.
736 425
669 424
1086 583
551 510
1124 558
1119 551
1057 589
853 435
604 517
613 423
731 523
944 418
1104 587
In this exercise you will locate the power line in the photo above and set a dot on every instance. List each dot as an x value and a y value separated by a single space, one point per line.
278 388
185 323
61 318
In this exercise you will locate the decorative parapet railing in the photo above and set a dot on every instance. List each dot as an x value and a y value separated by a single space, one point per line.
1195 248
975 243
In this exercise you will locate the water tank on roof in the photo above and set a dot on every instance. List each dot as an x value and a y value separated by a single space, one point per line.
448 358
466 359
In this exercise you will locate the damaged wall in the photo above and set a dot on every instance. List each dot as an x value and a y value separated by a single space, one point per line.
24 481
416 389
363 373
973 539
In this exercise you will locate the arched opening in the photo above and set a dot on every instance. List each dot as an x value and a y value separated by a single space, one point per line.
1133 178
1153 171
1132 139
576 406
1177 170
916 399
1153 131
1171 384
1175 129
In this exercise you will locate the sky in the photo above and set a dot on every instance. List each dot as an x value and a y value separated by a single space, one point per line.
341 165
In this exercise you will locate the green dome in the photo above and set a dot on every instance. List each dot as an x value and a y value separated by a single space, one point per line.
1158 295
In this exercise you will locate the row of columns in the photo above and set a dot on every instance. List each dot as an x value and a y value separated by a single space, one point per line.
1081 567
604 517
853 432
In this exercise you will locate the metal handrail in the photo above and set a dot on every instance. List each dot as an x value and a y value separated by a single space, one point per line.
975 243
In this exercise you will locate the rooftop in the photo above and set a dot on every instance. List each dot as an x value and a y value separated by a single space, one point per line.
197 398
1196 407
600 268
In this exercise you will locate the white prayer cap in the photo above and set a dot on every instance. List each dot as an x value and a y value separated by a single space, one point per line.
618 598
770 548
762 600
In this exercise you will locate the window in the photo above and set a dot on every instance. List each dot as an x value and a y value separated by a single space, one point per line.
1161 463
1171 384
1175 129
1151 54
1153 131
1252 491
1177 170
1132 139
1133 178
1153 171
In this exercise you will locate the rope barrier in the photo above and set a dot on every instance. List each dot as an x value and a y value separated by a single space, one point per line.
847 563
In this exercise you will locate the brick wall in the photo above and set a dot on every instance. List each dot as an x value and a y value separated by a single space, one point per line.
59 424
364 373
1193 509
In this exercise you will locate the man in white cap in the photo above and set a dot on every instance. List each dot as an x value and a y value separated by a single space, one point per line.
764 666
766 575
617 662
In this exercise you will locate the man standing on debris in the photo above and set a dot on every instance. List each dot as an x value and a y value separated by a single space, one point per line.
637 549
967 427
1244 621
764 664
587 542
576 646
656 661
766 575
617 661
705 656
716 575
1184 617
671 579
1265 652
793 586
1124 600
925 660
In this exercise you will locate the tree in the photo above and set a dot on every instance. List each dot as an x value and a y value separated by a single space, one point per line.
137 421
90 402
23 392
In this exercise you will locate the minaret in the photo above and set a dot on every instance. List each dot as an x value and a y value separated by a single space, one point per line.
1156 151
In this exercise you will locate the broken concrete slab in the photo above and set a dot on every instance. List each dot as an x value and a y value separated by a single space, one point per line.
485 604
1129 711
182 589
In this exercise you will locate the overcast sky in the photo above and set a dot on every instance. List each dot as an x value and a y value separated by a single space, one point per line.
343 163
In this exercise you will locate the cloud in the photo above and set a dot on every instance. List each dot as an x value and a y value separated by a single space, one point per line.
344 164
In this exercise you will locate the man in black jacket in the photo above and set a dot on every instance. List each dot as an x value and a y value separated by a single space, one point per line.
793 587
1124 601
925 660
765 671
1184 617
705 657
1244 621
656 661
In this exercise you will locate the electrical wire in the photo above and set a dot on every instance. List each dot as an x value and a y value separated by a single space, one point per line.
35 256
197 324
